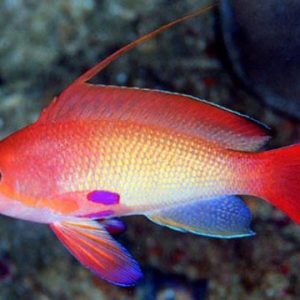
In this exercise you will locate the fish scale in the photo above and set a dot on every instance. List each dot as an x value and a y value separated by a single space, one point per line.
113 157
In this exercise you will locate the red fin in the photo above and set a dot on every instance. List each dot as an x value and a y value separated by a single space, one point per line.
281 172
178 112
89 242
168 110
101 65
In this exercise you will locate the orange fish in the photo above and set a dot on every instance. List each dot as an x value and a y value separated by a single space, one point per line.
101 152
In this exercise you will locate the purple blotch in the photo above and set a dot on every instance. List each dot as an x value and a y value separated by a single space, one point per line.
114 226
104 197
99 214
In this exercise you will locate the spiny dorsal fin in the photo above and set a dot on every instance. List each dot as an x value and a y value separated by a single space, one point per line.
104 63
179 112
182 113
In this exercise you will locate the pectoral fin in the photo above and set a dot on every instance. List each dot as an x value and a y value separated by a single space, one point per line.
90 243
224 217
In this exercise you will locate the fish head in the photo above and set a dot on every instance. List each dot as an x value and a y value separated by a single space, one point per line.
12 170
22 177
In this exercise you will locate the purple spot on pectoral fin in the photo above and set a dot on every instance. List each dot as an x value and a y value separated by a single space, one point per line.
104 197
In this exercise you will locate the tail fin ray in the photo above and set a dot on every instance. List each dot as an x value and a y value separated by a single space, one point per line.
282 186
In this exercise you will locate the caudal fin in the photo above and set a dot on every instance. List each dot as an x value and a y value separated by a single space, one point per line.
282 175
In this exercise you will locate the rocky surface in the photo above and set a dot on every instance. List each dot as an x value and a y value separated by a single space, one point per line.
44 45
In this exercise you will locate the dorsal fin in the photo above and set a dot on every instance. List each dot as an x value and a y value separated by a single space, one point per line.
173 111
182 113
104 63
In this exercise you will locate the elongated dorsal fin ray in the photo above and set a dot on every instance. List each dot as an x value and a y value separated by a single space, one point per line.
172 111
104 63
185 114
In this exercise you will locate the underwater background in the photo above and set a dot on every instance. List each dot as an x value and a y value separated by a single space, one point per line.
44 45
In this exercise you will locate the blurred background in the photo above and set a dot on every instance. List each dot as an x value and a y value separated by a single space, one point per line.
225 57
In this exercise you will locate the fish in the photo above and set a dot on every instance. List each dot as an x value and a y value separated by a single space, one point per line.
101 152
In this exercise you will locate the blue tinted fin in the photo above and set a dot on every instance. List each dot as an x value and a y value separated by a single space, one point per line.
223 217
113 225
90 243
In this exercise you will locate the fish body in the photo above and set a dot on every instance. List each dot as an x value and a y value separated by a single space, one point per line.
101 152
150 168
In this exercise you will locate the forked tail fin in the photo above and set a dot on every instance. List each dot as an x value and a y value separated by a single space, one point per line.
282 175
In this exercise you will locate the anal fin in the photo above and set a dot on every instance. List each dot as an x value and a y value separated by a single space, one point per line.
224 217
90 243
